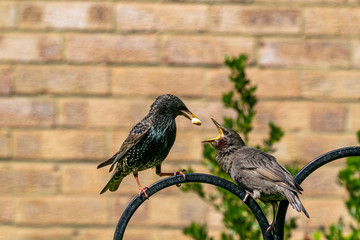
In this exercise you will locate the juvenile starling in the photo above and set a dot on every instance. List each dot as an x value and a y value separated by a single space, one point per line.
255 171
149 142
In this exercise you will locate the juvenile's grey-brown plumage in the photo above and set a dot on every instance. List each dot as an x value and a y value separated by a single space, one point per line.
257 172
149 142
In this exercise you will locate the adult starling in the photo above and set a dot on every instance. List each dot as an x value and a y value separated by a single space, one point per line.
257 172
149 142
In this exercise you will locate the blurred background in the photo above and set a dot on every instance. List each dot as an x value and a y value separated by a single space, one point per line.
76 76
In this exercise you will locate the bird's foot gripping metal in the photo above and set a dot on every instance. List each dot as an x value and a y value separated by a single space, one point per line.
270 228
182 172
143 190
247 196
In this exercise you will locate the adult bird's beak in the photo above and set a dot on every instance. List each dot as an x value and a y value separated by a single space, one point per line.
189 115
220 132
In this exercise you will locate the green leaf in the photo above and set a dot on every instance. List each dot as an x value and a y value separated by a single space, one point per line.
350 178
228 122
317 235
275 135
197 231
292 169
227 99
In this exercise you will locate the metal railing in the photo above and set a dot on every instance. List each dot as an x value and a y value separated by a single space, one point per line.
277 234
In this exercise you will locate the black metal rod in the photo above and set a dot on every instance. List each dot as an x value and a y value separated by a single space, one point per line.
303 174
192 177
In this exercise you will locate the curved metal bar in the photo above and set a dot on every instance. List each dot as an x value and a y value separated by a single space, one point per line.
233 188
303 174
325 158
192 177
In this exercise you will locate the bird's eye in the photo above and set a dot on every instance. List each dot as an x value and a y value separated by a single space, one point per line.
226 132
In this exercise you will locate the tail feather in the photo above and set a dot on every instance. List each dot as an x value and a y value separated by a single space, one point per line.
107 162
299 188
295 202
114 182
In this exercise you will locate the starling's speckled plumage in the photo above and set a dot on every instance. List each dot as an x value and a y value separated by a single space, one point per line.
257 172
149 142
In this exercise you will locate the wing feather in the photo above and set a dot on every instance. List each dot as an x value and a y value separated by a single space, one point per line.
265 166
136 135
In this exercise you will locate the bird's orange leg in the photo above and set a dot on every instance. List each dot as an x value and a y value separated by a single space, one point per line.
141 189
161 174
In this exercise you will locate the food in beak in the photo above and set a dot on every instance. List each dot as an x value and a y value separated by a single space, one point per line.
196 121
191 117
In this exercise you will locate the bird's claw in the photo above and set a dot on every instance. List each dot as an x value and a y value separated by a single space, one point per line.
246 196
270 228
142 190
182 172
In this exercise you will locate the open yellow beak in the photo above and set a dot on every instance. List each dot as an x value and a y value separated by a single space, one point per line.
220 132
189 115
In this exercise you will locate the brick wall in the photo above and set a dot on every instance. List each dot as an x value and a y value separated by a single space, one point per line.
75 76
